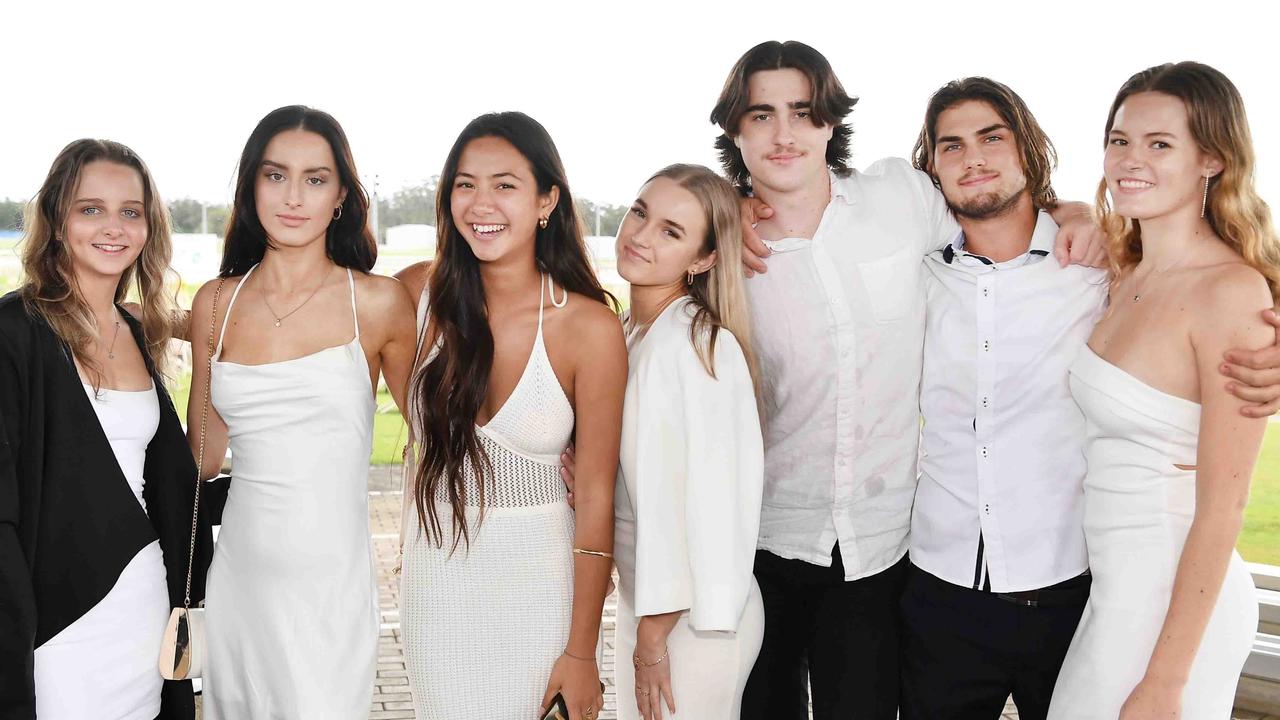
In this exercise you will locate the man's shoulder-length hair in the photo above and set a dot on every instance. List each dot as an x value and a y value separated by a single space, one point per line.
830 104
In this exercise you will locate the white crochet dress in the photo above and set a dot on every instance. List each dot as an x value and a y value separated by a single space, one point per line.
484 624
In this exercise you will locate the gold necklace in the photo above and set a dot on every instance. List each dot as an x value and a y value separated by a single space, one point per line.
281 318
111 350
1137 292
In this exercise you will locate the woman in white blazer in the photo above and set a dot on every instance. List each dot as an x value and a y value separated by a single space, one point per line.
687 500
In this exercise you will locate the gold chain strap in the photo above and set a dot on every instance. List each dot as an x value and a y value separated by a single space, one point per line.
204 425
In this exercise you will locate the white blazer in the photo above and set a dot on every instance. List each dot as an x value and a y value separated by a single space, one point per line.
690 479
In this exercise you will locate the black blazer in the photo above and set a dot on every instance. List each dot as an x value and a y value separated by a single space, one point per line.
69 523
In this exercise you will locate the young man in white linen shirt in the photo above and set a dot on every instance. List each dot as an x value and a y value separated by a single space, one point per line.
838 323
999 573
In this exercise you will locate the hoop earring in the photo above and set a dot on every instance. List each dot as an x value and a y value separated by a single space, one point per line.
688 278
1204 201
542 222
337 213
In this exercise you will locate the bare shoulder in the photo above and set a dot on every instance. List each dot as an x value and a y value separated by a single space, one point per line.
380 292
203 301
414 278
591 317
1229 299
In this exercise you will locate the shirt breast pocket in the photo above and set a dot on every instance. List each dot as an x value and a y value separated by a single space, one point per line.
892 283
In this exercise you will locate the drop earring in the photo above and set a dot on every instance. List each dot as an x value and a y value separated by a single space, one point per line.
542 222
1204 201
688 278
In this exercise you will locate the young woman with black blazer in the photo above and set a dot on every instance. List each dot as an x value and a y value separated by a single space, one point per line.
96 477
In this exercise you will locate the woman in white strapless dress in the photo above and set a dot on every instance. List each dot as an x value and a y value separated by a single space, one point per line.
301 332
504 583
687 503
1172 612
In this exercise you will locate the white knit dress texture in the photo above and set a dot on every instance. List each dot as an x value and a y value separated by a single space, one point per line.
484 622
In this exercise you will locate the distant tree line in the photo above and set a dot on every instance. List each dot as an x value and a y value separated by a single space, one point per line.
411 205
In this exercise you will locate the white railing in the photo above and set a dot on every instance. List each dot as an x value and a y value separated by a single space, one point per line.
1259 688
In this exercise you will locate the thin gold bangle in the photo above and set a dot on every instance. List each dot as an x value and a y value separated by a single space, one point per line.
578 657
597 553
635 660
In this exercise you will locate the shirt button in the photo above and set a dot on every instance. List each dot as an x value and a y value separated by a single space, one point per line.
987 509
986 401
986 292
986 345
984 452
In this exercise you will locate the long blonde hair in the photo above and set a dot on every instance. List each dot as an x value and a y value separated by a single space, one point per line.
1216 116
50 290
720 292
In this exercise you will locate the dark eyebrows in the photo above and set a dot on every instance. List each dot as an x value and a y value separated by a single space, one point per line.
274 164
992 128
643 205
766 107
505 173
673 224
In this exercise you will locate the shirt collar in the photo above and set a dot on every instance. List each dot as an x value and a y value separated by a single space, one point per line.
1042 240
842 188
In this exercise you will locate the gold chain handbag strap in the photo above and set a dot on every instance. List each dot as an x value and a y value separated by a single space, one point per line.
204 425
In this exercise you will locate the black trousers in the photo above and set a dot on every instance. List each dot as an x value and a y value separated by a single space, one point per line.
964 651
840 636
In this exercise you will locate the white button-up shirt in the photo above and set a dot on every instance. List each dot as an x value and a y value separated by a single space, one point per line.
838 324
1000 496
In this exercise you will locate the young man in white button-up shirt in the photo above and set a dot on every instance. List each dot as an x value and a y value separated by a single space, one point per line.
838 323
999 573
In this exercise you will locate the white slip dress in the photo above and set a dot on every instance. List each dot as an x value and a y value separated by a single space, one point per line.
103 665
1138 508
484 623
292 611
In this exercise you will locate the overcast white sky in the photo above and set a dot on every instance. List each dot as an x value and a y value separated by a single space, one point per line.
623 88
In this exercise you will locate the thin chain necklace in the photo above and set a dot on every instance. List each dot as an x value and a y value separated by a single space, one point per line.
1137 292
111 350
281 318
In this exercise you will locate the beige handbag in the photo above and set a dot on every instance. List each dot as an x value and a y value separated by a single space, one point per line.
182 648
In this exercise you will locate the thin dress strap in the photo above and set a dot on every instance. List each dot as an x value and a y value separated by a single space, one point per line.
542 299
355 316
227 317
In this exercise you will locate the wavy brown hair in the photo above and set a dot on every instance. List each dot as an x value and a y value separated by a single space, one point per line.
50 290
1235 211
1038 155
830 104
449 391
720 293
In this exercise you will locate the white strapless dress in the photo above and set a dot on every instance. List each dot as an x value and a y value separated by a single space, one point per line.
1138 509
292 610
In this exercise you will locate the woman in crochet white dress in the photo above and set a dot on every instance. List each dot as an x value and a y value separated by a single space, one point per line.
1172 612
503 583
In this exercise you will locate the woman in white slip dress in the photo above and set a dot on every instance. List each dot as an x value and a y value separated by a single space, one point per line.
96 478
292 614
503 583
687 502
1172 613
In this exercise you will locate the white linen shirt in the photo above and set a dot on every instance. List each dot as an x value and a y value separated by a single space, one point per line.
999 505
838 323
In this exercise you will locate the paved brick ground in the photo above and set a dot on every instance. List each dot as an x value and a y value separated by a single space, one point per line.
391 700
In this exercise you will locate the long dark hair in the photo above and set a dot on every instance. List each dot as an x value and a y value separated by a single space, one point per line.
1038 156
348 241
452 387
830 104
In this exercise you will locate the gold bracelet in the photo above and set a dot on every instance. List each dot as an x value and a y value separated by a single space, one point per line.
578 657
597 553
635 660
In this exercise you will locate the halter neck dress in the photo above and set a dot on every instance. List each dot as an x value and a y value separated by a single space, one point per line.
484 622
292 612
